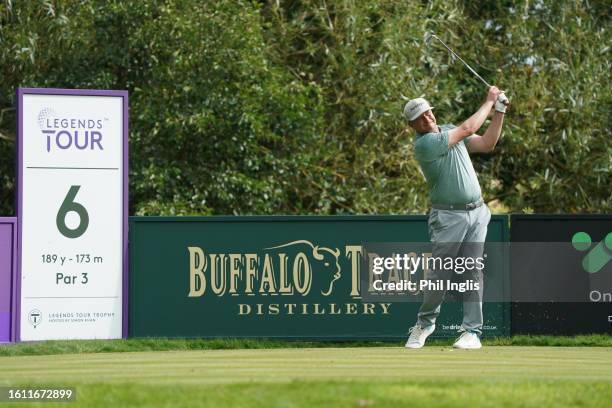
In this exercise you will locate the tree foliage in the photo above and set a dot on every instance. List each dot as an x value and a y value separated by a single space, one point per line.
294 107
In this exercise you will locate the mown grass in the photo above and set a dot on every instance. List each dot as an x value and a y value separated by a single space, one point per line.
495 376
353 394
165 344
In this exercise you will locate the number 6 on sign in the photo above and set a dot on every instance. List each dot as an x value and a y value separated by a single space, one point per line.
67 206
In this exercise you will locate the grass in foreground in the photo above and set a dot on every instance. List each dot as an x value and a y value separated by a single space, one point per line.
354 394
345 377
163 344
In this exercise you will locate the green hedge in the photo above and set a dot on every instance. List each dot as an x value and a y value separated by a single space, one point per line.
294 107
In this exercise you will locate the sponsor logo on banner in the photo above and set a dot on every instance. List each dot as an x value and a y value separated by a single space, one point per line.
595 260
296 268
598 257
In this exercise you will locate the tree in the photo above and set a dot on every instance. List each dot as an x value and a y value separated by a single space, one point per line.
294 107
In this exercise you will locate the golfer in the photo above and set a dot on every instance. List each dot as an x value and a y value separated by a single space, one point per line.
458 218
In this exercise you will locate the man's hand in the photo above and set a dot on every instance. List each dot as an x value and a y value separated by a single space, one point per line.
494 93
501 103
474 122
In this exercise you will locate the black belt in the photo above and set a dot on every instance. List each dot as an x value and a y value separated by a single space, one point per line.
461 207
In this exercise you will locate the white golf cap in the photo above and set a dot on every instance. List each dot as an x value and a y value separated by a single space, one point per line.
415 107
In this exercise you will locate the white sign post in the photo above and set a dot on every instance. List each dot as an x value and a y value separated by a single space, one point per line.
72 203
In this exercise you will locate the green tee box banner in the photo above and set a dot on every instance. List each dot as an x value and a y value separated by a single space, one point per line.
279 276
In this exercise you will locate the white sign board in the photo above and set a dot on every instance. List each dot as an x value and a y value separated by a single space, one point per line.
72 176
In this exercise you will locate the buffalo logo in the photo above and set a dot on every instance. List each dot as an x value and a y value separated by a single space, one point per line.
297 267
328 260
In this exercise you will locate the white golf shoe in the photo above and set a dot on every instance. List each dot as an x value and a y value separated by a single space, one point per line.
468 341
418 336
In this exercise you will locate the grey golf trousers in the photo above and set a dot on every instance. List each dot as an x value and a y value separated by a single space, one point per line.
456 233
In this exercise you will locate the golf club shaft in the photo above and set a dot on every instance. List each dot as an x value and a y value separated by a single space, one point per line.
461 59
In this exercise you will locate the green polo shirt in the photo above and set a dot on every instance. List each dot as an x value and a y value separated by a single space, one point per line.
449 171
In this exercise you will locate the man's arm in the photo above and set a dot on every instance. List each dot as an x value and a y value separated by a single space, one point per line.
471 126
486 143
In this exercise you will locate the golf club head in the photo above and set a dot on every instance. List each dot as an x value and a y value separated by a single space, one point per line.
427 38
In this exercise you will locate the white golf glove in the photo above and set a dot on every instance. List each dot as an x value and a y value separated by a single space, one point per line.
502 103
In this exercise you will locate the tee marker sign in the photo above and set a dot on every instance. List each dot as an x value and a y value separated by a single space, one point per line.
72 214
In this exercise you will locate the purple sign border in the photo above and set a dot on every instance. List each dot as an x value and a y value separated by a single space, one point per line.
12 221
79 92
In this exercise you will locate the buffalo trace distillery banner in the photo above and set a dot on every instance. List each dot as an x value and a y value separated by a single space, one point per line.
291 277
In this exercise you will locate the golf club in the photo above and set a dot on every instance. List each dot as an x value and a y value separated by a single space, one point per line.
430 36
